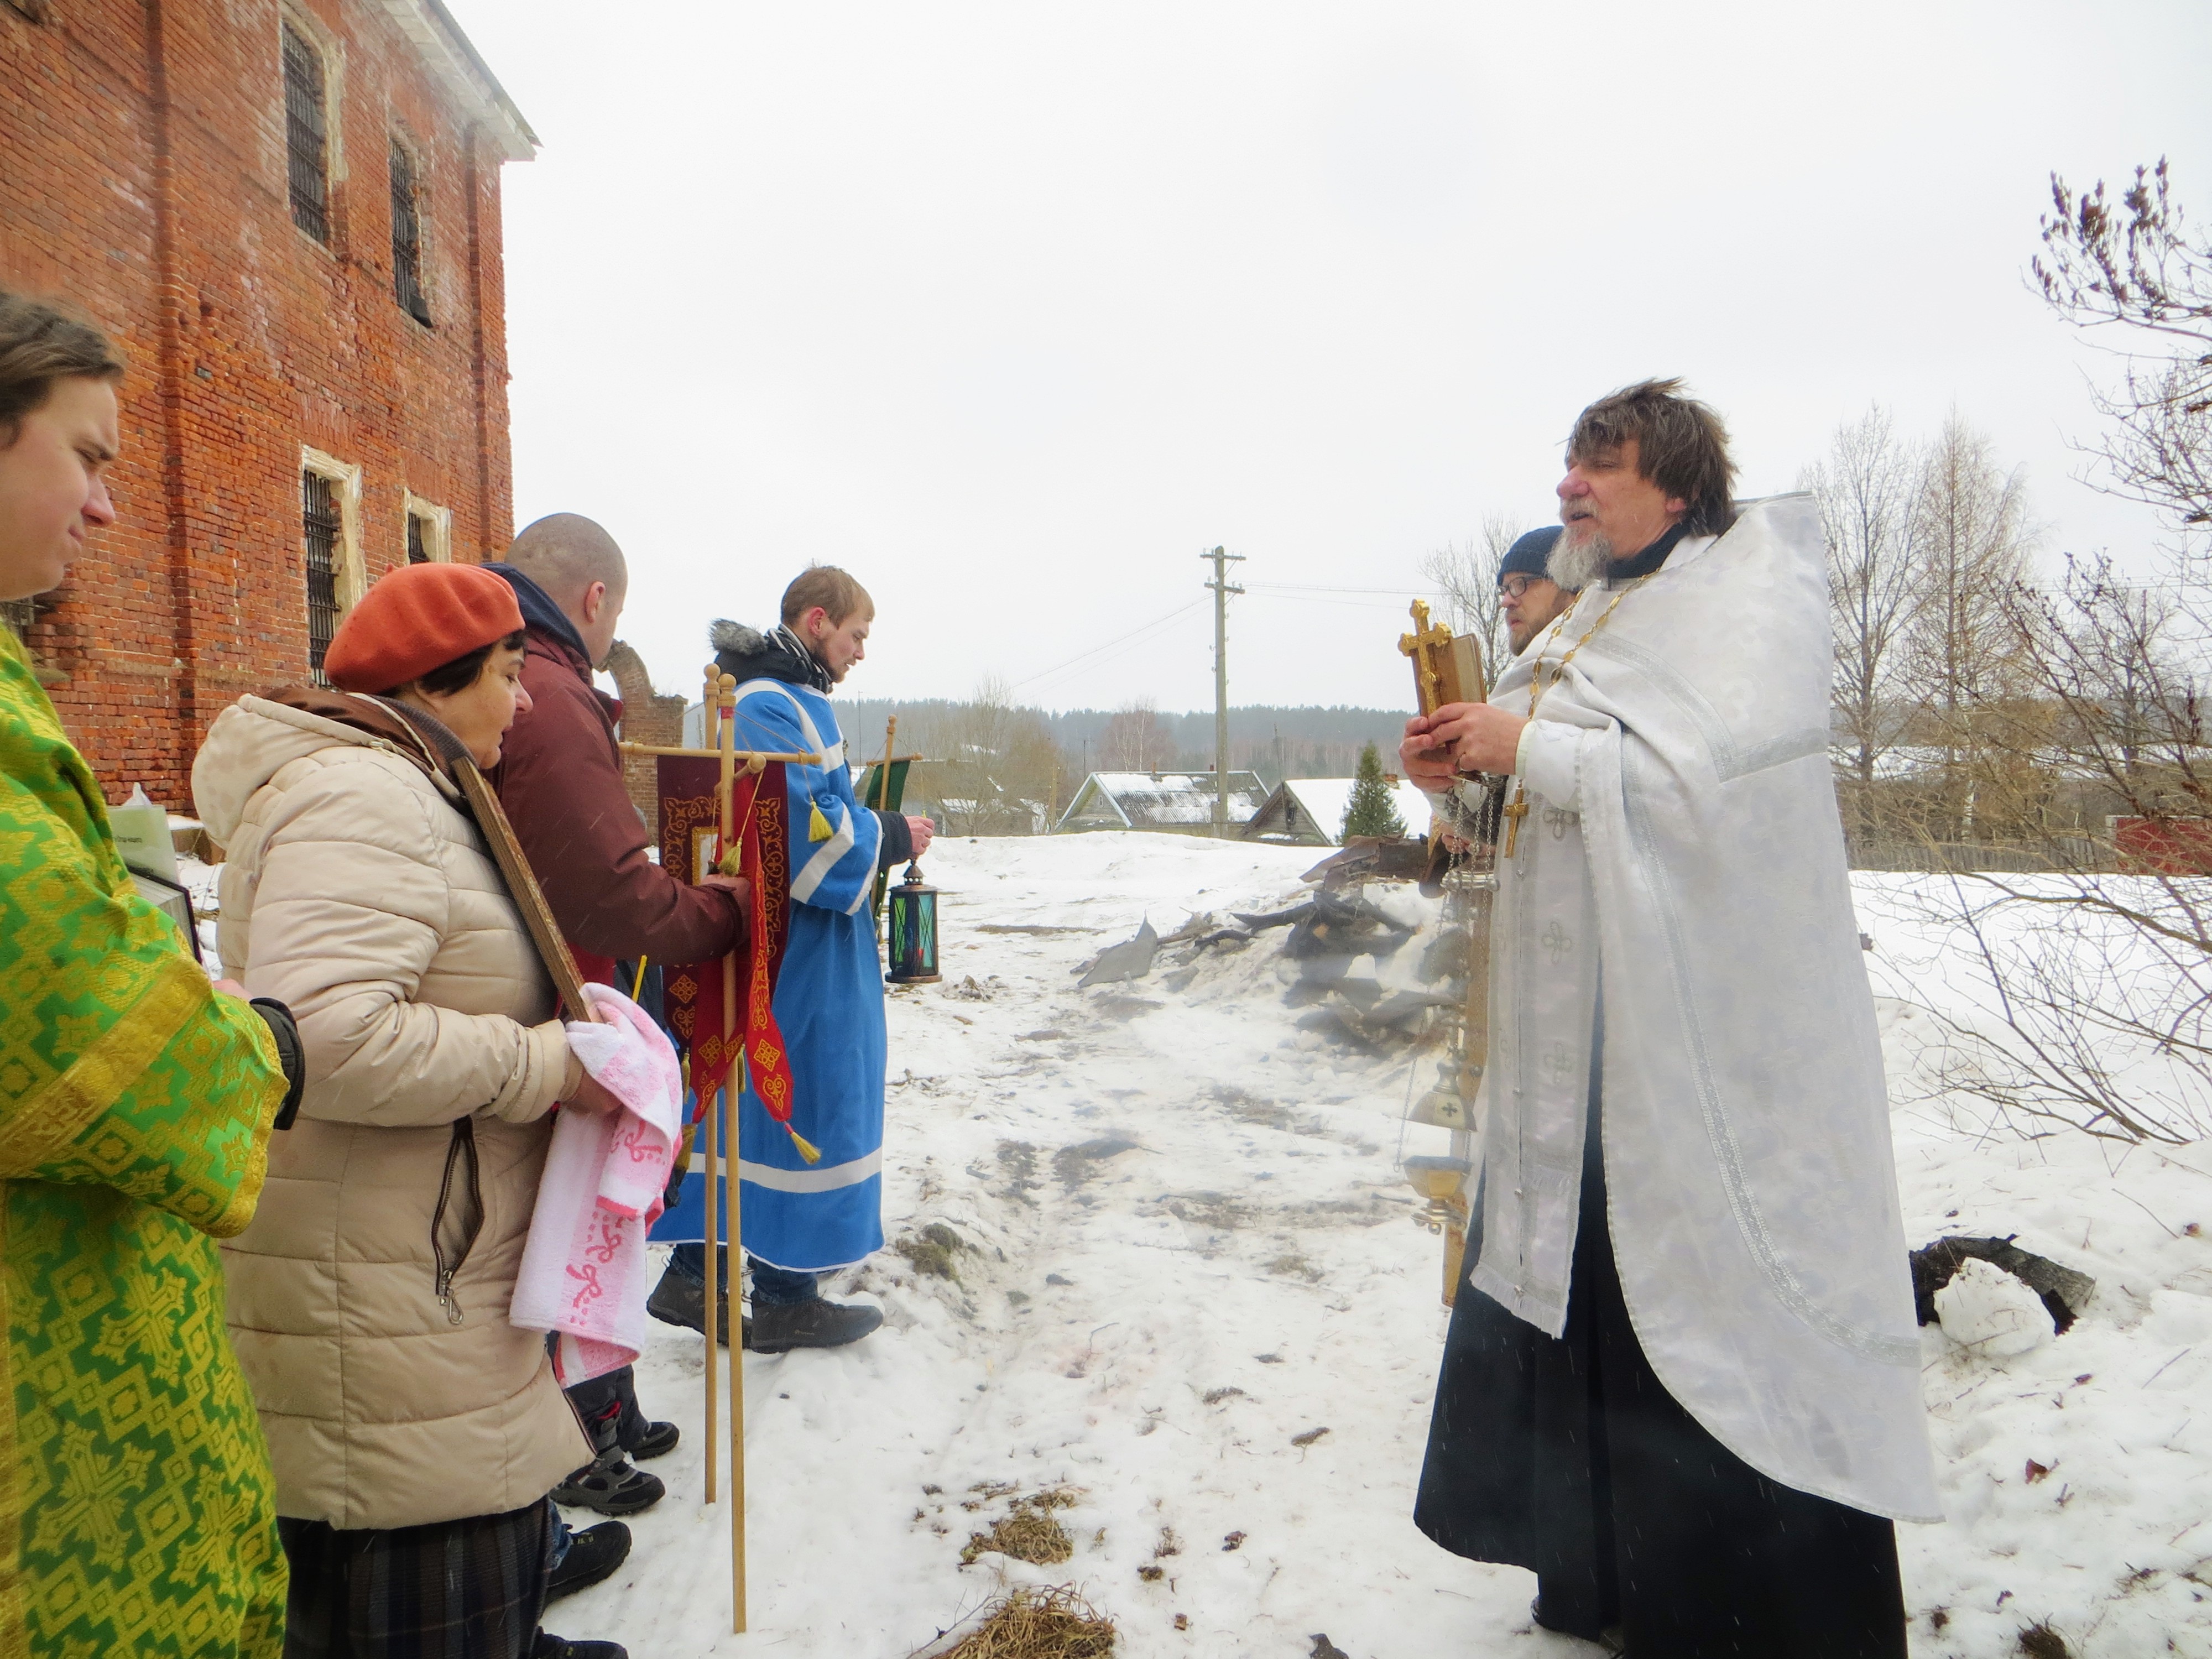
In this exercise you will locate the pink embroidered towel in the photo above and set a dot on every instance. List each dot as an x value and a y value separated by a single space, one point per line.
583 1274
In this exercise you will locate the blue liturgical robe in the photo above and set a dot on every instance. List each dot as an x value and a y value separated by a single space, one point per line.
830 1003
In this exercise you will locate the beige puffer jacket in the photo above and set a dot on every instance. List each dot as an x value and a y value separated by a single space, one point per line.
356 892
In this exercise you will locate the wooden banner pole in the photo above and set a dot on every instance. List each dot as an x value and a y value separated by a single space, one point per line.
803 757
883 805
709 1150
730 1157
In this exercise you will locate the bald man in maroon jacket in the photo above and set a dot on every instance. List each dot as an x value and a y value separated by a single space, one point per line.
560 778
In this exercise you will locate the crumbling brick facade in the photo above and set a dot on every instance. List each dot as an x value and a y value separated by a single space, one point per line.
143 178
647 718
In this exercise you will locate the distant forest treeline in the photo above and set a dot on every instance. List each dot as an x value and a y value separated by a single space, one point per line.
1276 741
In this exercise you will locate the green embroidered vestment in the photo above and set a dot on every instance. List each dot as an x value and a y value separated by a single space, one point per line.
137 1511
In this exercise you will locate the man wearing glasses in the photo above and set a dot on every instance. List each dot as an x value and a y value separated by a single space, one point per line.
1529 598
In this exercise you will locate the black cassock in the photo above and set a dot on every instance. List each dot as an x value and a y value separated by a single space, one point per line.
1566 1456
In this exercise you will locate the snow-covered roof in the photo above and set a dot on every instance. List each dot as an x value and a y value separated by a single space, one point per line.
1160 800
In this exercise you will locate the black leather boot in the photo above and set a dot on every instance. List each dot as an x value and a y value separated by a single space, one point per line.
677 1300
593 1555
780 1327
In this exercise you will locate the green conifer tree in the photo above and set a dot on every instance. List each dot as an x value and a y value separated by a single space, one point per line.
1372 811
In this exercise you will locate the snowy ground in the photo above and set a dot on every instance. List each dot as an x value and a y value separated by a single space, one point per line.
1188 1248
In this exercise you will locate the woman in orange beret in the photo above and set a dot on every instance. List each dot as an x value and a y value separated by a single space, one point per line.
409 1425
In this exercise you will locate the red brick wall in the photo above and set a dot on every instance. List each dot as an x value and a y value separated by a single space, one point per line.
648 717
143 177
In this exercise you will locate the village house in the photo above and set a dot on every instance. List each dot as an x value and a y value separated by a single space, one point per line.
288 213
1181 803
1310 812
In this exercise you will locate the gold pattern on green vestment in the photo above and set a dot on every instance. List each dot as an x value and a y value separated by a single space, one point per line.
137 1511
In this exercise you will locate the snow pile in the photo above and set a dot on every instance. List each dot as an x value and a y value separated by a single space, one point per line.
1157 1300
1985 1309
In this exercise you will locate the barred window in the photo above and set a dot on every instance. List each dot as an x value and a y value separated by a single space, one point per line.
407 238
416 552
322 529
306 136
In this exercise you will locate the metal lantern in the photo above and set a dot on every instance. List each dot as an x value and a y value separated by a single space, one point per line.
913 909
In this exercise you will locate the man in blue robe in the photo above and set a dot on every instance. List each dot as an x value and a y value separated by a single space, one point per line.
800 1220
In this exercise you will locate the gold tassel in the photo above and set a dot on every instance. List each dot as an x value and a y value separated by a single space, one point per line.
807 1149
817 827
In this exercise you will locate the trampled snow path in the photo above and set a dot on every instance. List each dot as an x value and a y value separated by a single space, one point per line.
1188 1247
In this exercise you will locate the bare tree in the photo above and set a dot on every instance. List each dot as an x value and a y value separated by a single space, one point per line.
2131 279
1000 766
2087 1002
2094 980
1867 489
1135 740
1465 581
1970 538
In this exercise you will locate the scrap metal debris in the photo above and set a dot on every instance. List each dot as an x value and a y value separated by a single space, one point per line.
2064 1291
1132 959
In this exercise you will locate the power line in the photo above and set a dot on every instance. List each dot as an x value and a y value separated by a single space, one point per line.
1322 587
1083 656
1345 604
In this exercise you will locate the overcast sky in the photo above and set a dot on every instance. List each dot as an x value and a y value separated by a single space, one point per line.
1013 309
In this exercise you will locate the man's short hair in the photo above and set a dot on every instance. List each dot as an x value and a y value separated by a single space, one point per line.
827 586
564 553
1680 445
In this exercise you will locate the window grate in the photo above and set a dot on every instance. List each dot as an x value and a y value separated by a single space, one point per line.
307 136
407 238
416 553
322 528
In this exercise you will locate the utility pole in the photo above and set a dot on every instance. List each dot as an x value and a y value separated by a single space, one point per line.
1221 591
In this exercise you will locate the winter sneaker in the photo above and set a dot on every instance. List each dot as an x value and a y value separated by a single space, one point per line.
651 1440
677 1300
559 1647
777 1327
594 1554
609 1485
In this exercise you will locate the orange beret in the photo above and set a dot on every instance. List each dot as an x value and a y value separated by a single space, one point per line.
418 617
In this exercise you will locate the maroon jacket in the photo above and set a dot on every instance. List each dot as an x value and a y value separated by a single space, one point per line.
560 779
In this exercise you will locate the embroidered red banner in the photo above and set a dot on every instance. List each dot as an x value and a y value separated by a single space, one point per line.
691 845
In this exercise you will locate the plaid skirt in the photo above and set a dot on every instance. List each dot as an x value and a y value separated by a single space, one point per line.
456 1590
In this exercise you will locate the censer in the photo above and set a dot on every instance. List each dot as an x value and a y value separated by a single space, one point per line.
913 915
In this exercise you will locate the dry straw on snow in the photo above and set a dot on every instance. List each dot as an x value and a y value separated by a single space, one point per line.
1029 1532
1053 1623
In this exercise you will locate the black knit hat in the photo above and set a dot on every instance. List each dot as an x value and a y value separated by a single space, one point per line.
1529 555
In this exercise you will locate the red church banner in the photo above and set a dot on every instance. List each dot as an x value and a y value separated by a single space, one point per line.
691 846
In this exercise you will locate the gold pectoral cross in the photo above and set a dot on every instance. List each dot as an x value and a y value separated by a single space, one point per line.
1513 811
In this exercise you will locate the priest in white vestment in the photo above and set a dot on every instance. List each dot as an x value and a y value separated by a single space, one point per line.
1682 1381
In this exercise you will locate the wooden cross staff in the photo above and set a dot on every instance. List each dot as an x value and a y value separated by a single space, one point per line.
505 852
720 706
522 883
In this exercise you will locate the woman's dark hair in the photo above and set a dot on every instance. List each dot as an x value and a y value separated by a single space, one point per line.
1680 445
40 343
461 673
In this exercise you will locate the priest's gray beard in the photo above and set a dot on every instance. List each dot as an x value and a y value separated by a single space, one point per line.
1579 562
